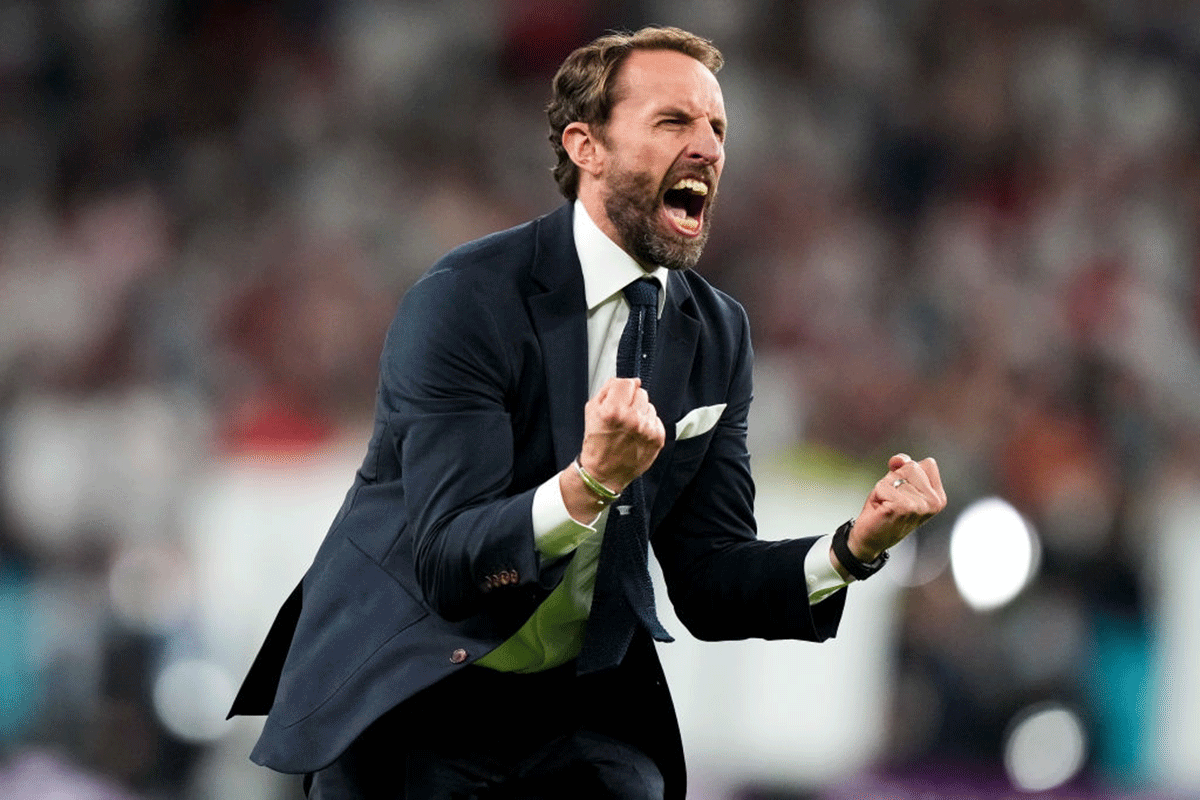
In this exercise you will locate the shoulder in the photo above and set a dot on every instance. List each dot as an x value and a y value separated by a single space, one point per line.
505 257
476 269
499 251
486 273
473 298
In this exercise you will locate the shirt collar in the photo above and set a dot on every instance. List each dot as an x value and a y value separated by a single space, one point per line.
607 269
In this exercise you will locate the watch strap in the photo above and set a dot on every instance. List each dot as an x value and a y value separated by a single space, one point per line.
841 548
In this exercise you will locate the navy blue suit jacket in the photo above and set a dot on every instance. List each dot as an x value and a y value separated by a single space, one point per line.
483 381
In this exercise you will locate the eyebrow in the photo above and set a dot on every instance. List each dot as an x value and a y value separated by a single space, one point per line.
674 111
718 122
677 111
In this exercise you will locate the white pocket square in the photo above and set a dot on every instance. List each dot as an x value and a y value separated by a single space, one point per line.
697 421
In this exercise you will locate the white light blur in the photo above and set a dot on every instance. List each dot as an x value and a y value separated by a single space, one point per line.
993 553
1045 747
191 699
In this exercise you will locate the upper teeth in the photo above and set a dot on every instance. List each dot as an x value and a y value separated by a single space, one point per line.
692 185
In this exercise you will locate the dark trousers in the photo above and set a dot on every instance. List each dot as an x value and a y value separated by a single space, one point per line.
501 736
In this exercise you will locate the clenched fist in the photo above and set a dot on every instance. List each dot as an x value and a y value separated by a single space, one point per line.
910 493
622 435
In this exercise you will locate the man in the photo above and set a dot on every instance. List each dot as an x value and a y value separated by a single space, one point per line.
478 622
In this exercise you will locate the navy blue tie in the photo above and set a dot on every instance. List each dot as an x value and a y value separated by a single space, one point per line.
623 598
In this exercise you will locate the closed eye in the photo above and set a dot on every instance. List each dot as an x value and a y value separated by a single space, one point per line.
681 120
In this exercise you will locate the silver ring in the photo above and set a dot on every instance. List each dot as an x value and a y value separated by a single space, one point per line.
896 484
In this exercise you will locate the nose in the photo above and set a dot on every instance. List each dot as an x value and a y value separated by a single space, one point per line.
706 146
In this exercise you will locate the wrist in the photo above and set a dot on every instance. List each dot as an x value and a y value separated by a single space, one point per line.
854 564
603 495
580 503
863 554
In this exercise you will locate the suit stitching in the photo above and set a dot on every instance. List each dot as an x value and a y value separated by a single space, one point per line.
387 571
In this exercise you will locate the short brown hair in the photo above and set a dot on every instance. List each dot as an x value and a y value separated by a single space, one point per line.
583 87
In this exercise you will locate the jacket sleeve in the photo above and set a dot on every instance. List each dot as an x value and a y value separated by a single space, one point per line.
447 382
723 581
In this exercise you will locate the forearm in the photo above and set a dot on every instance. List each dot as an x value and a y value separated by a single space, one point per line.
461 556
754 589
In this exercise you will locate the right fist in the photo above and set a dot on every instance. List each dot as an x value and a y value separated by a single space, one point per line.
622 433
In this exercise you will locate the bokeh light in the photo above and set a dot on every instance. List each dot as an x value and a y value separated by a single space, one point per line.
191 699
1045 747
993 553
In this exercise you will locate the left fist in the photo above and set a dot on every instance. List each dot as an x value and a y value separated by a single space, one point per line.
909 494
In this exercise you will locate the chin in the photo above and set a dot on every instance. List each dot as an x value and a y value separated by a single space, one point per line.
672 250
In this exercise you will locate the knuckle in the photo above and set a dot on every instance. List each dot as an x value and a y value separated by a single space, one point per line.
613 417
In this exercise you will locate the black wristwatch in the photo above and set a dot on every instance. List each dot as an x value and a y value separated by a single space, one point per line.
861 571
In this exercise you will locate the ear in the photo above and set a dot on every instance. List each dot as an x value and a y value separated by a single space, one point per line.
584 148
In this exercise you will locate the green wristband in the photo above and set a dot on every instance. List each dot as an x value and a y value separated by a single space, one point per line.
604 495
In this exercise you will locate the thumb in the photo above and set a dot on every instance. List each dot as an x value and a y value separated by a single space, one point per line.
897 461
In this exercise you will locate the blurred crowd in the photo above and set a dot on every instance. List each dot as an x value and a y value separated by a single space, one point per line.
959 228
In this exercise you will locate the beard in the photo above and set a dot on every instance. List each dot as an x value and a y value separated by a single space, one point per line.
634 206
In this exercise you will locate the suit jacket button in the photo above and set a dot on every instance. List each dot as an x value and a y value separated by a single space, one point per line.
458 656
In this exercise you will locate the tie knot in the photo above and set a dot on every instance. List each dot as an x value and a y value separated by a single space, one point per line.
643 292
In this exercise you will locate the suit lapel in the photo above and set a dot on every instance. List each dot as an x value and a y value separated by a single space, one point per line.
560 319
678 332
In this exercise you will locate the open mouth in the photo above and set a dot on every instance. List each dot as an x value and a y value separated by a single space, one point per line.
684 204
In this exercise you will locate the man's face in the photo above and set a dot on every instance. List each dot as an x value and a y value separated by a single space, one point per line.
664 148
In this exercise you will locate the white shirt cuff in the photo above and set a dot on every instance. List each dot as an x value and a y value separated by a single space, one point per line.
555 531
819 573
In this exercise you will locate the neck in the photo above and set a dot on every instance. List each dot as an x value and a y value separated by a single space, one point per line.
593 203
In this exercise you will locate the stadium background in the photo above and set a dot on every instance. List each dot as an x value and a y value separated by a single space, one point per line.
965 229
